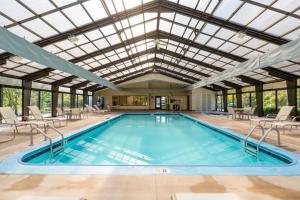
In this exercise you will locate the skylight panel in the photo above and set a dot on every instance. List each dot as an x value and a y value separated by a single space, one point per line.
118 5
59 21
39 6
189 34
255 43
215 43
125 23
20 31
65 44
284 26
40 27
14 10
77 15
138 30
241 51
150 15
14 73
4 21
108 30
178 30
182 19
286 5
266 2
202 39
226 8
242 18
266 19
95 9
165 26
210 29
132 3
151 26
268 47
188 3
207 5
61 3
102 43
167 15
113 39
76 52
293 35
225 33
51 48
94 35
110 6
228 47
65 56
136 19
123 55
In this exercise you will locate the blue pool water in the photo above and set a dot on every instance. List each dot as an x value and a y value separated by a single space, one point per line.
154 140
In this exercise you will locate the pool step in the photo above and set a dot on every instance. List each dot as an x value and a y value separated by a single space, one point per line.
57 150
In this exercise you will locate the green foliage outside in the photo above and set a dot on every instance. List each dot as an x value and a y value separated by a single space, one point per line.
246 100
45 102
269 102
231 100
80 101
298 101
67 100
12 97
34 99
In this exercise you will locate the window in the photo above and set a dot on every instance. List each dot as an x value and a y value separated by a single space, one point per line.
220 103
246 101
269 102
231 100
12 97
79 101
46 102
66 100
282 99
90 100
298 101
130 100
34 98
253 99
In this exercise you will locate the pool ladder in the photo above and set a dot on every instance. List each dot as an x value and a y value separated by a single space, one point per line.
252 149
54 149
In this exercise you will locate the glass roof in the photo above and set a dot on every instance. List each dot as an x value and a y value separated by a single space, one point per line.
117 39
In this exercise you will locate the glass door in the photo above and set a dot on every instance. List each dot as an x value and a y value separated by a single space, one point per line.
158 102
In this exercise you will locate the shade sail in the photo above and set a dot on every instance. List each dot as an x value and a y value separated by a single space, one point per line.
284 52
19 46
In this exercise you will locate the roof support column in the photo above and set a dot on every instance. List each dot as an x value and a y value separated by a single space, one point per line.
94 98
238 92
85 98
292 93
73 98
1 100
224 92
259 99
55 90
26 95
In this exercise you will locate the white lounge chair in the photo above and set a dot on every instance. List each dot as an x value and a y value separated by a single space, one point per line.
35 111
283 115
99 110
11 119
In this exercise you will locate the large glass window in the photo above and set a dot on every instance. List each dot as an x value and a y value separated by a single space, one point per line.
253 99
12 97
34 98
298 101
282 99
246 100
269 102
130 100
46 102
80 101
231 100
66 100
220 103
90 100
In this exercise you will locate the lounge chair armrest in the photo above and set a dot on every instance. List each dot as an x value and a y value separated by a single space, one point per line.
294 118
270 116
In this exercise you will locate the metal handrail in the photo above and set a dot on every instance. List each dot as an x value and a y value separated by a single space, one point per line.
260 141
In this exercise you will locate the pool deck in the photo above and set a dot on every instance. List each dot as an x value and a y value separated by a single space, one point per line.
155 187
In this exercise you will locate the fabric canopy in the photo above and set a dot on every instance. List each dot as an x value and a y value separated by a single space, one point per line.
19 46
285 52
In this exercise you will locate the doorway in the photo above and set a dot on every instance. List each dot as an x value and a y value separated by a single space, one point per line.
157 102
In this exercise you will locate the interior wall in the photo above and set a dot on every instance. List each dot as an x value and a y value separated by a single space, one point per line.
203 99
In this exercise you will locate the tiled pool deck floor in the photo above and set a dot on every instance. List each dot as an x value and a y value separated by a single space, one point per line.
159 187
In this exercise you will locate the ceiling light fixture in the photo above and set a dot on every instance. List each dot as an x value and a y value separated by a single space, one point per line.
73 39
241 34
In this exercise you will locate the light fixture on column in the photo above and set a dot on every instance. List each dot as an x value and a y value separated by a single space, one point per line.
73 39
240 34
